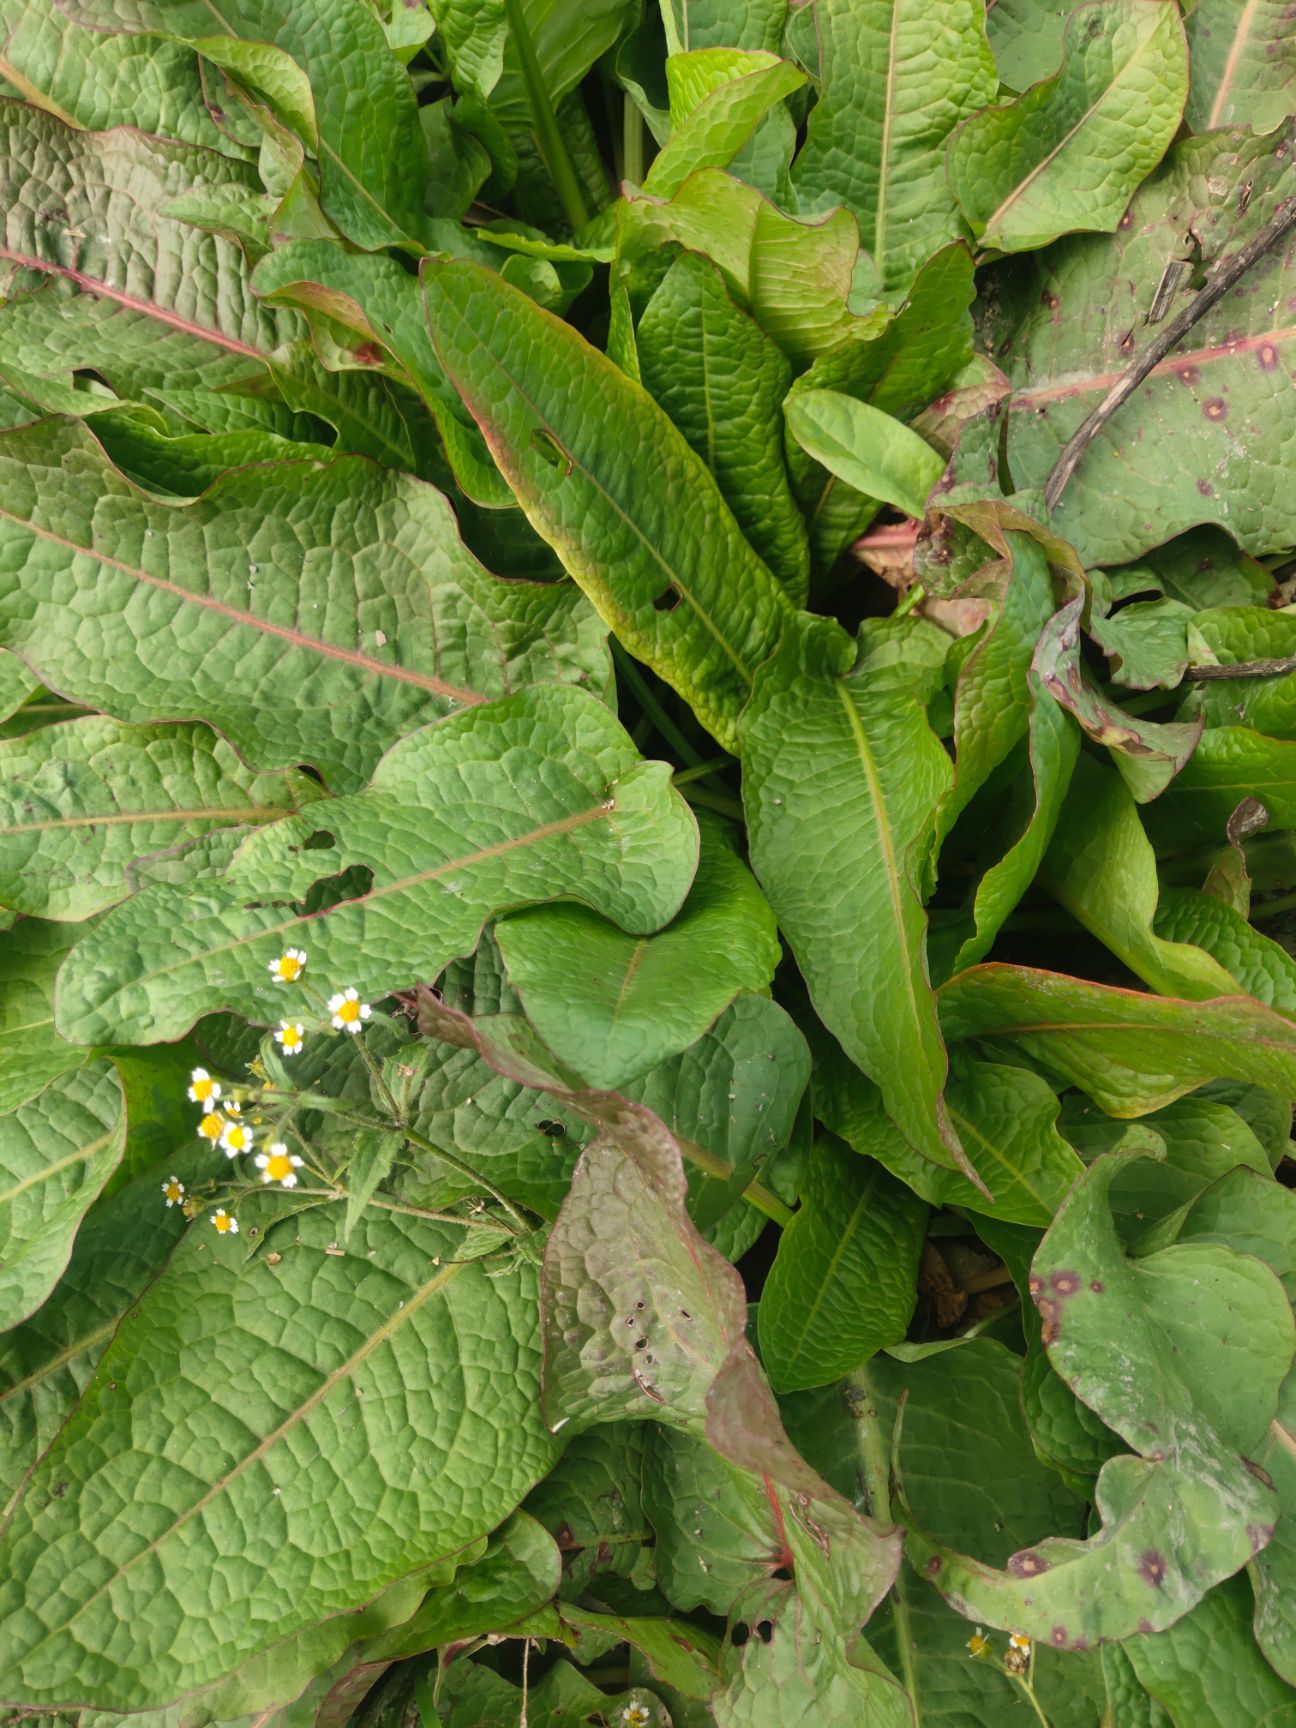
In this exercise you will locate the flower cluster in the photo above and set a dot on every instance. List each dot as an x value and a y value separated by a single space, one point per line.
1016 1658
221 1121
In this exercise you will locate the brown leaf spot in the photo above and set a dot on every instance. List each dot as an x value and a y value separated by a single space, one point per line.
369 354
1145 1625
1216 408
1126 343
1027 1564
1205 488
1058 1637
933 1566
1152 1568
1034 1285
1049 299
1259 1535
1268 357
1126 221
1186 374
1096 1285
1259 1472
1065 1283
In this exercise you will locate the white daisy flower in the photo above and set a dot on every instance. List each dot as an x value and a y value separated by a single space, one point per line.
348 1010
289 966
225 1222
237 1138
279 1165
290 1037
204 1090
173 1191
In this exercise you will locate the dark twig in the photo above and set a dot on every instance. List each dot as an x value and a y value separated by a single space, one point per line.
1243 669
1221 281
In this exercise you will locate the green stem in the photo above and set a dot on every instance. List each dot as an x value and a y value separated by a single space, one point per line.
1273 908
715 765
376 1075
875 1469
723 802
548 137
673 43
632 143
652 707
1029 1690
472 1175
913 599
409 1211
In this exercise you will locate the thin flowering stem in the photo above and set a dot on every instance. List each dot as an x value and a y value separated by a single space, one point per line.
468 1171
376 1075
1029 1691
385 1205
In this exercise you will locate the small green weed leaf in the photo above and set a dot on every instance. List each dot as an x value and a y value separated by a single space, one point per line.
1242 65
841 779
679 1654
31 1051
1207 1670
794 277
573 811
249 627
722 381
896 78
1081 321
80 802
684 593
477 1697
611 1006
1148 753
1070 152
773 1679
171 301
1130 1052
876 454
45 1363
371 153
56 1152
1194 1398
94 81
1005 1118
715 129
844 1281
1102 868
374 1151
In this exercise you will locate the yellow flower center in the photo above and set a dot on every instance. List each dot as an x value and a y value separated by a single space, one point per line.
288 968
291 1037
349 1011
172 1191
203 1089
222 1222
212 1125
278 1165
236 1139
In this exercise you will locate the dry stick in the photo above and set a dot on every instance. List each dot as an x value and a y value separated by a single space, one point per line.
1223 279
1244 669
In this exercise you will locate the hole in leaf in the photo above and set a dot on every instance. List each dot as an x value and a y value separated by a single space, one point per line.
550 451
319 841
740 1634
668 599
765 1631
783 1574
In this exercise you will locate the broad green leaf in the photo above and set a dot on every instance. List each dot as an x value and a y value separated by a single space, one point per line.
56 1153
1131 1053
46 1362
1240 633
722 381
249 624
170 302
1242 64
745 24
472 33
1006 1118
18 684
795 278
1071 151
233 1350
1207 1669
968 1470
1102 868
1148 753
1182 1353
80 802
537 796
844 1281
612 1006
898 366
591 1504
1229 764
93 81
567 43
1078 320
896 78
591 459
683 1655
31 1052
776 1683
992 701
841 778
1261 966
876 454
1026 38
371 150
712 132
